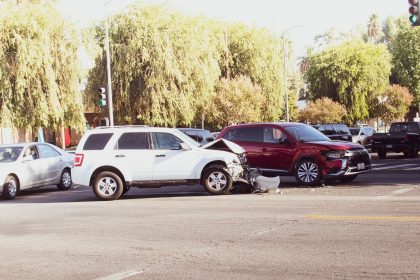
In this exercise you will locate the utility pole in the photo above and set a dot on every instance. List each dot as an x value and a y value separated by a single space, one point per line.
285 70
108 69
285 79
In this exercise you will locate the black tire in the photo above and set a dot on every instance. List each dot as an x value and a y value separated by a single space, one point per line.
126 189
347 179
407 154
308 173
382 155
217 180
10 188
108 186
65 180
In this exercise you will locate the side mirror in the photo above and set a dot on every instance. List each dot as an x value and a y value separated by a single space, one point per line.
184 147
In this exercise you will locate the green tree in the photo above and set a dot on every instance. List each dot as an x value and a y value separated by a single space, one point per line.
406 59
237 100
165 66
39 67
393 104
322 110
351 74
256 53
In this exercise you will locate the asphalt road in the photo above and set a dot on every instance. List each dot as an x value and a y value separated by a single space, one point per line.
368 229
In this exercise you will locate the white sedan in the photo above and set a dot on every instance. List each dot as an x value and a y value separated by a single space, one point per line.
31 165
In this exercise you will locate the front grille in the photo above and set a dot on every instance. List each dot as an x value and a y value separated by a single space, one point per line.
356 156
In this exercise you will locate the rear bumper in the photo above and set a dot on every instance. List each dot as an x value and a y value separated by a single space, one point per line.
398 148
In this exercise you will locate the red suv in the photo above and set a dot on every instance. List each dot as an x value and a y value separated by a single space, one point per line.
299 150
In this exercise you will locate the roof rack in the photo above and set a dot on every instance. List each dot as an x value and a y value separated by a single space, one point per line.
120 126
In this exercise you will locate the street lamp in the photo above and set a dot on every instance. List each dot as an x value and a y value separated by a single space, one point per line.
108 68
286 87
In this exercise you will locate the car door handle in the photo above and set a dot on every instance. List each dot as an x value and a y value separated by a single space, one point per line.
120 156
264 150
160 156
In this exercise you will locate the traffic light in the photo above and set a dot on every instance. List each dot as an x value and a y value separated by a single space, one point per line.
414 12
101 96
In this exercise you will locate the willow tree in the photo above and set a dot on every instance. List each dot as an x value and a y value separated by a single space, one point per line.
164 65
406 58
351 74
39 69
256 53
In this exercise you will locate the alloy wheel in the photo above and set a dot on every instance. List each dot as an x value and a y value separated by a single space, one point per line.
308 172
107 186
66 179
12 187
217 181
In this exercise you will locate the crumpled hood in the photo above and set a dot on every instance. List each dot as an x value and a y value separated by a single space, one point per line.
224 145
336 145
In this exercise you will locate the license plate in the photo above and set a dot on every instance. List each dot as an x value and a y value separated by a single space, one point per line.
361 165
389 146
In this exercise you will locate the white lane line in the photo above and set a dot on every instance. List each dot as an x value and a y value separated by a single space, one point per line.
265 231
394 166
121 275
401 191
414 168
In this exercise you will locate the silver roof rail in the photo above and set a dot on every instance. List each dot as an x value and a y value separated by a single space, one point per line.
119 126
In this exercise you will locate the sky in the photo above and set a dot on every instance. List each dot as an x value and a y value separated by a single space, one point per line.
301 20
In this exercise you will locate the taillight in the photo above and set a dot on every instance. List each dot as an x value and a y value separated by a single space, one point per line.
78 159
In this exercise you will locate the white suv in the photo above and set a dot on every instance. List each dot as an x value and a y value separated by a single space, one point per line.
113 159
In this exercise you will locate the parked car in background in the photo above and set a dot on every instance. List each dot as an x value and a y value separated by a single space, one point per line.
298 150
113 159
403 137
338 132
202 136
362 135
32 165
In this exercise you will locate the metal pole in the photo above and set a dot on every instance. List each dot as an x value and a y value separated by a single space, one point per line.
108 70
285 79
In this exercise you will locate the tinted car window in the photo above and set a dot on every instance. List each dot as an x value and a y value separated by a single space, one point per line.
342 129
354 131
133 141
399 127
165 141
232 135
10 153
97 141
46 151
251 134
272 135
327 129
306 133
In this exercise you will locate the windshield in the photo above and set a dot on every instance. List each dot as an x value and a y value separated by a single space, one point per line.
10 153
354 131
306 133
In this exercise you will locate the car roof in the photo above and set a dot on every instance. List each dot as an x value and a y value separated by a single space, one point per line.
128 128
191 129
22 144
282 124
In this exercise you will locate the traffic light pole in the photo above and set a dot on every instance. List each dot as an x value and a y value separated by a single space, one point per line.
108 71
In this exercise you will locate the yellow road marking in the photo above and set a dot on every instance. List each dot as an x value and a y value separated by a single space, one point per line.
365 218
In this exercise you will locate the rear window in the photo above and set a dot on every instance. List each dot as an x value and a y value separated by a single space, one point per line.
97 141
354 131
342 129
